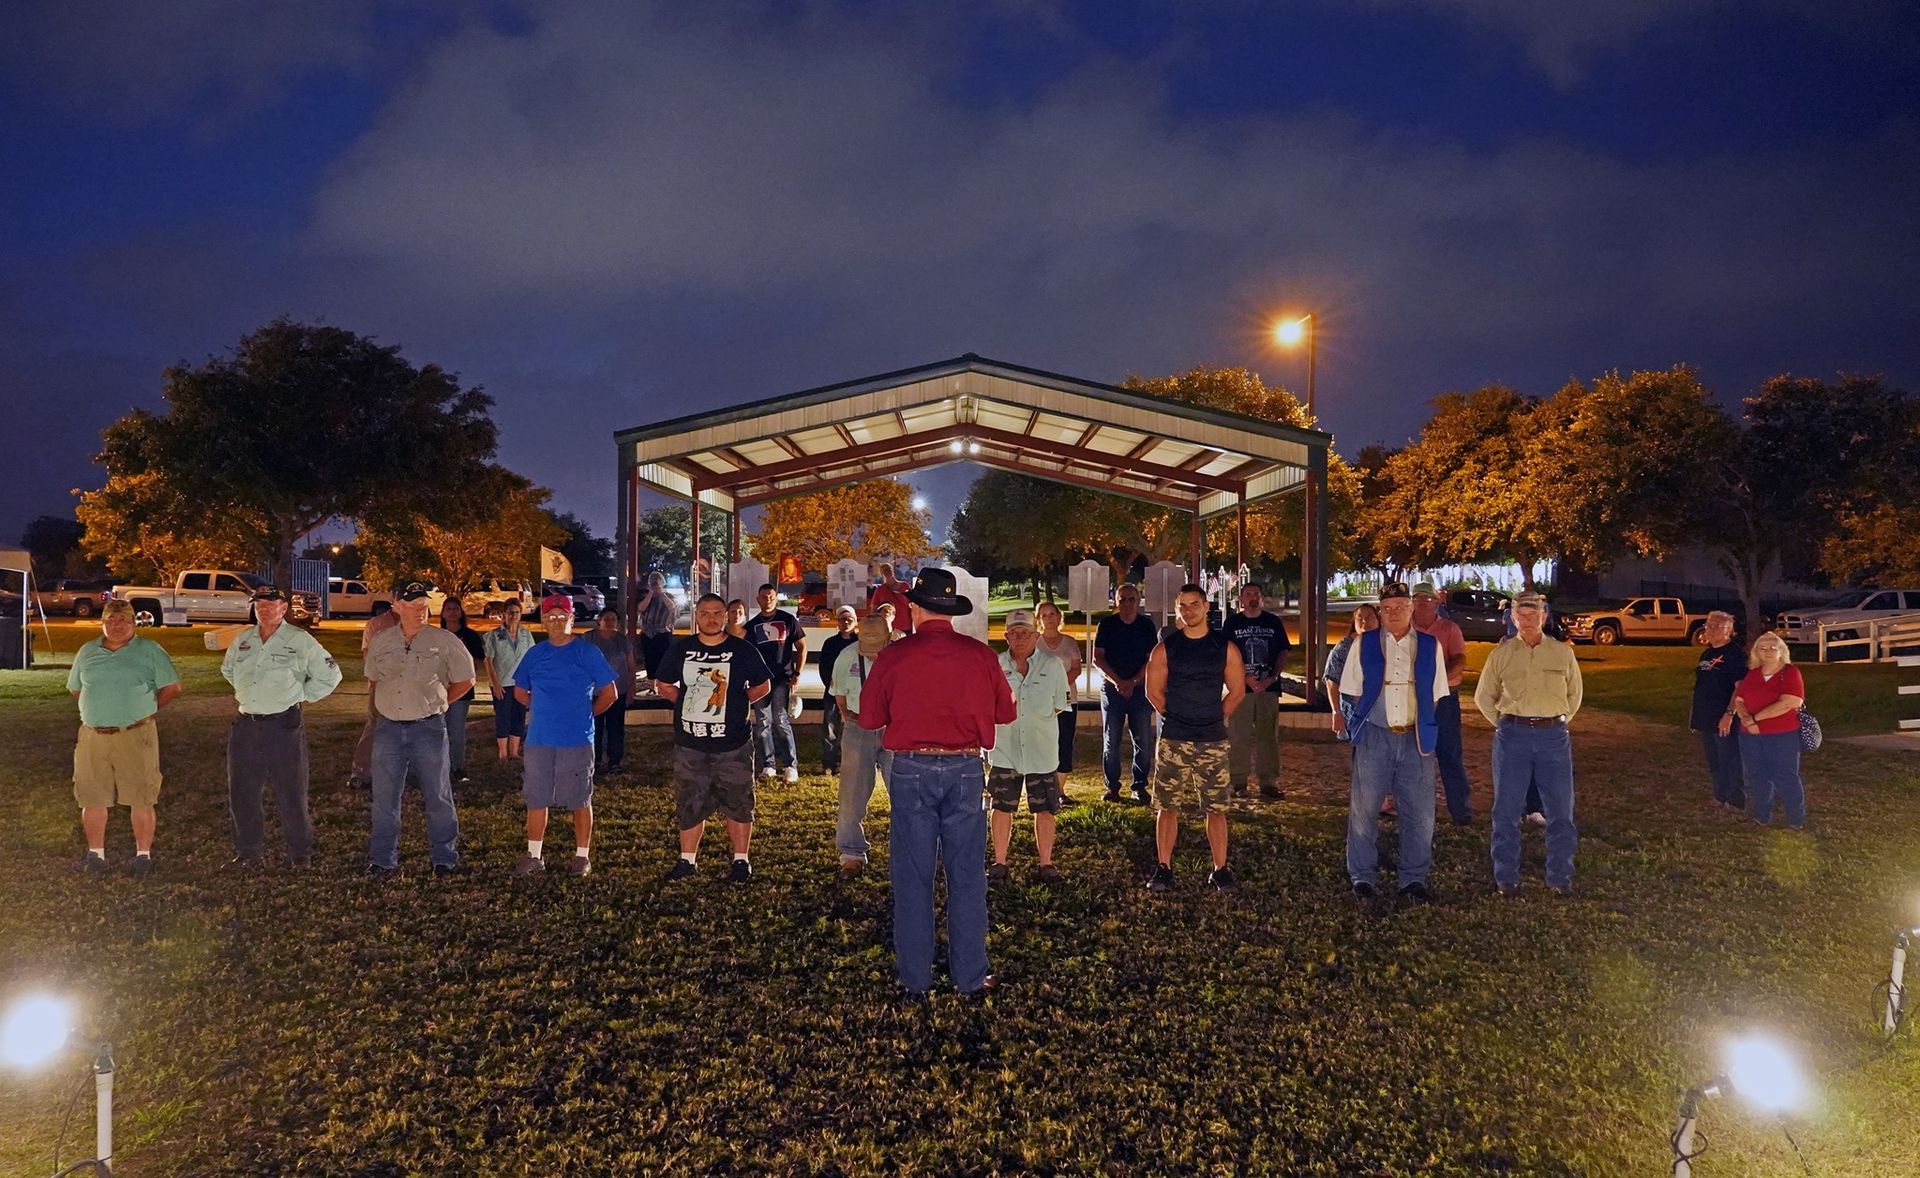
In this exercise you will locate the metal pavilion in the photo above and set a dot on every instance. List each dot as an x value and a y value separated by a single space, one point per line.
1204 462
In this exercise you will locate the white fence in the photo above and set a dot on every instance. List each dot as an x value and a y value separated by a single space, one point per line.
1906 725
1883 638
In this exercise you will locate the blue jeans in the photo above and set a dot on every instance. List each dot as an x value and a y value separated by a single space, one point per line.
938 818
1126 714
860 758
1449 752
457 733
772 724
1723 765
1541 757
1771 765
420 746
1390 763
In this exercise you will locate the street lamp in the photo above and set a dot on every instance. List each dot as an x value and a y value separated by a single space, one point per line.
1761 1071
1289 332
34 1032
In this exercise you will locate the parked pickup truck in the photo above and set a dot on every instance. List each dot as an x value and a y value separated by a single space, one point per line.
82 599
350 597
1853 605
1642 619
206 595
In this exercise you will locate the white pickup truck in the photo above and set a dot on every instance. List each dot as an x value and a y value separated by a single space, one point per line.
204 595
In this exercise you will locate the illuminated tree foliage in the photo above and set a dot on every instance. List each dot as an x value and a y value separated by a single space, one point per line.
504 543
861 521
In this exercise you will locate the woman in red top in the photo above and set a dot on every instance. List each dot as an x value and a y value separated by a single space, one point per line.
1767 705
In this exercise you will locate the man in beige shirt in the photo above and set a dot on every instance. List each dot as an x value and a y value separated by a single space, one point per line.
1529 690
414 669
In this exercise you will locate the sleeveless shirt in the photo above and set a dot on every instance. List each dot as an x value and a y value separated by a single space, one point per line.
1196 682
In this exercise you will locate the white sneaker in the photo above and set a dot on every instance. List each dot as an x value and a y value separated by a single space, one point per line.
768 774
793 774
1537 818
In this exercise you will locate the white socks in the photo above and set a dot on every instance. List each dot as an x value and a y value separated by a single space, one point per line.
739 857
690 856
533 848
100 851
580 852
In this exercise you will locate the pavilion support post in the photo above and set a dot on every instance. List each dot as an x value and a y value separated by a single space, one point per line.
693 574
1313 603
630 552
1240 534
733 548
1195 573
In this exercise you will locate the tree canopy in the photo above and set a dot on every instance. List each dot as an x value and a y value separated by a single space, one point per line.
505 542
862 521
298 425
664 537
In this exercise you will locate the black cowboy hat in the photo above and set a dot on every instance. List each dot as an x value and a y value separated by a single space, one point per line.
935 590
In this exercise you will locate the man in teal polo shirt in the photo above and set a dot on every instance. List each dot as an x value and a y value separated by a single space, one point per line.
275 669
121 681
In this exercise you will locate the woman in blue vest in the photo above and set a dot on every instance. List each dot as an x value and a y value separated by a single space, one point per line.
1398 675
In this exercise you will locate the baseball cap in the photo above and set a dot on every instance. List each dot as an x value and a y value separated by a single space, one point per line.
556 603
1393 589
411 591
1021 617
268 593
846 611
1425 588
1529 601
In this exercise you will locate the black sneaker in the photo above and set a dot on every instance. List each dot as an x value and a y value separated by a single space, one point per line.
1564 891
1508 890
1364 890
1141 795
1271 793
91 864
447 870
1416 893
244 862
1161 880
682 870
740 872
997 873
375 871
142 865
460 777
1112 795
1220 879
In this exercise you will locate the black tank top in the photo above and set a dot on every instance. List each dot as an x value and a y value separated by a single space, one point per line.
1196 681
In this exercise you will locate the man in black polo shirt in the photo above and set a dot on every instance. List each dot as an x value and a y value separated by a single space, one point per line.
832 723
1121 647
1262 641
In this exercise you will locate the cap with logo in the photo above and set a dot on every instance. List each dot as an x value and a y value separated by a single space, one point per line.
268 593
556 603
1020 617
1393 589
411 591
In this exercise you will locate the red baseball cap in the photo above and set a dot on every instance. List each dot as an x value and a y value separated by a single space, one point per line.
557 603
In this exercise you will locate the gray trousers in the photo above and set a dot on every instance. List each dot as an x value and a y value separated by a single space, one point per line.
262 751
861 757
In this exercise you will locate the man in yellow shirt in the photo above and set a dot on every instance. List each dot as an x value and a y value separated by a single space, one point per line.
1529 691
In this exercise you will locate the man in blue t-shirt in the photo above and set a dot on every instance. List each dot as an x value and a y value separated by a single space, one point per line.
564 684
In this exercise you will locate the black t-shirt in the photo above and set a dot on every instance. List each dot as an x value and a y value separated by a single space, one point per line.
1126 644
830 650
711 713
1196 679
774 636
469 638
1262 641
1714 679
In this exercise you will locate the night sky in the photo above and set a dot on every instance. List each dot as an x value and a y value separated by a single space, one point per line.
608 213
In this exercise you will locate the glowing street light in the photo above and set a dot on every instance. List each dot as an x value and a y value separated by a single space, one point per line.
34 1032
1761 1071
919 502
1289 332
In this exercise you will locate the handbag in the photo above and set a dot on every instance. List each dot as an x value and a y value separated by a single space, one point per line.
1810 734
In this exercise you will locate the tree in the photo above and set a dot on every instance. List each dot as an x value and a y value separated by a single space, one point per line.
301 424
140 528
505 543
664 537
54 543
1875 537
589 555
1807 455
863 521
1621 466
343 560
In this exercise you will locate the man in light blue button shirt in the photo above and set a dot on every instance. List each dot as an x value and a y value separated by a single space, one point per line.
1026 753
275 668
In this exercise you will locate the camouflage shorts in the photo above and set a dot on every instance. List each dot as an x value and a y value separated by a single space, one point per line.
1186 770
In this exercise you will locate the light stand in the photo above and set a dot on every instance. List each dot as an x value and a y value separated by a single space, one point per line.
1760 1070
34 1032
1896 991
1683 1133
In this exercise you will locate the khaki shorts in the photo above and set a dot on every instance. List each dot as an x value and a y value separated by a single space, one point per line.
1191 771
117 768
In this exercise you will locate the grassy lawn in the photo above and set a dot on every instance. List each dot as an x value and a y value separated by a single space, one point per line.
327 1025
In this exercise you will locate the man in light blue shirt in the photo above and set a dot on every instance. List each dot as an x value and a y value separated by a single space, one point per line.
1026 753
275 669
862 760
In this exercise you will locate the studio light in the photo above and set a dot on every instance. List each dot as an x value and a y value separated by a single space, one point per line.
1761 1071
1896 989
34 1032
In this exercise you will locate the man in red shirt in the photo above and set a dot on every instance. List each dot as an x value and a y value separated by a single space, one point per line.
938 695
890 591
1450 755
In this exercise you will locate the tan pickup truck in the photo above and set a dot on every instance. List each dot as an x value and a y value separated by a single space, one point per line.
1641 619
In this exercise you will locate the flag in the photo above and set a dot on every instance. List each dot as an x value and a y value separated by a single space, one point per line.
554 566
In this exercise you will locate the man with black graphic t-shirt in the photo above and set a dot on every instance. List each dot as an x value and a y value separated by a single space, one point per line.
1255 734
713 680
782 645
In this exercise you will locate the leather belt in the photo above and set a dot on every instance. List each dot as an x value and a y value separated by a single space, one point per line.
1399 728
268 715
1535 721
126 728
969 752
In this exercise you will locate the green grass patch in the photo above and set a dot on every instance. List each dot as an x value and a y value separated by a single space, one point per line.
323 1024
